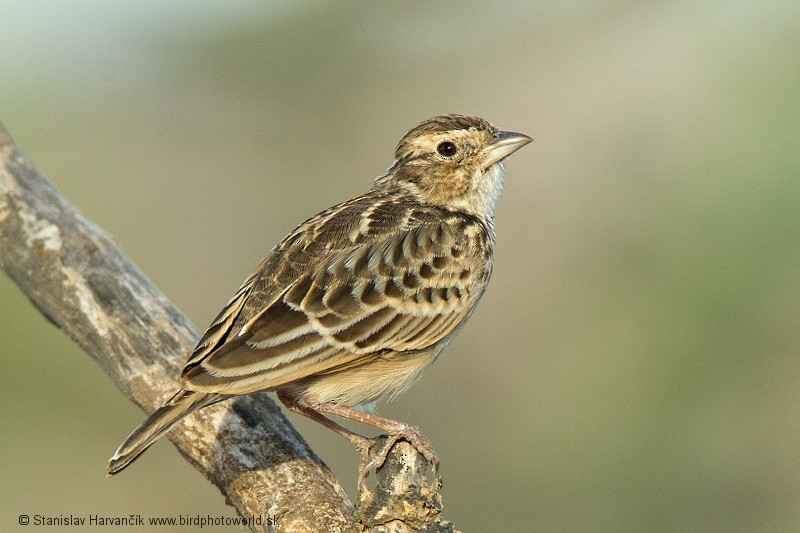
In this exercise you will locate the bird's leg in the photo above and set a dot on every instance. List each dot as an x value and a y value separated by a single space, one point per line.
363 444
370 458
396 431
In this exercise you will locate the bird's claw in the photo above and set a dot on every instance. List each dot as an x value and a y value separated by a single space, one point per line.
375 451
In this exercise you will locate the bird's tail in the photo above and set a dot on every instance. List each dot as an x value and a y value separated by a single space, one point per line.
158 423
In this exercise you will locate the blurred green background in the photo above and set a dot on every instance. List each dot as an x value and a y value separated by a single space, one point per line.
634 365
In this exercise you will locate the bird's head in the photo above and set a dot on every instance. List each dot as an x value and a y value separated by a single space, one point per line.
455 162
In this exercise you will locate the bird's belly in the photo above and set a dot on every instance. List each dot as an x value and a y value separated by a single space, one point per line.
384 376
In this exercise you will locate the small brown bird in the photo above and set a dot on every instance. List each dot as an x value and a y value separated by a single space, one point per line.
358 300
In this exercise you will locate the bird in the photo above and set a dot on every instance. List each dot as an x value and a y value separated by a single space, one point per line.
357 301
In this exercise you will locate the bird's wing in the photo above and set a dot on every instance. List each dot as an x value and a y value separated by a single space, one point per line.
382 285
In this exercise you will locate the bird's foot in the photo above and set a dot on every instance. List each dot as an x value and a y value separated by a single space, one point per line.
374 451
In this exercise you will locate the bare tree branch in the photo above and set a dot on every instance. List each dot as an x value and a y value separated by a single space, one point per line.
83 282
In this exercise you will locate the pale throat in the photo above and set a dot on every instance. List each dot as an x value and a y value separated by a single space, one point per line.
482 198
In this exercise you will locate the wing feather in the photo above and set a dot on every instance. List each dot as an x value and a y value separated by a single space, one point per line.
378 288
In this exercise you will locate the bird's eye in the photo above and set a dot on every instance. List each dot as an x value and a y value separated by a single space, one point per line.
446 149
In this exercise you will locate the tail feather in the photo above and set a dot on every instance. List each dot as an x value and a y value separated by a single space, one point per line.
158 423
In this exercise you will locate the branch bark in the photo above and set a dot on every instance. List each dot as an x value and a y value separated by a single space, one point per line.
83 282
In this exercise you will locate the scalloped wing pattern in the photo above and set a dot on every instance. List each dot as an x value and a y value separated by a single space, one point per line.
359 280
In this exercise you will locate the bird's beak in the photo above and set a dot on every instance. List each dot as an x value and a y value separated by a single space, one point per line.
503 145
